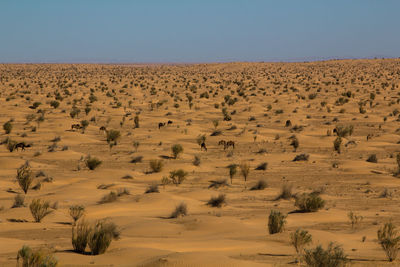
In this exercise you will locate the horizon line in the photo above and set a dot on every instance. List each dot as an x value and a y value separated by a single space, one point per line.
193 62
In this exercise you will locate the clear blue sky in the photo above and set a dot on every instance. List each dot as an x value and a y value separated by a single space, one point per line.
197 31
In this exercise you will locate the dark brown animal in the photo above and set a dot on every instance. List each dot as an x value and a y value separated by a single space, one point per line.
203 145
230 143
161 124
222 142
21 145
103 128
288 123
169 122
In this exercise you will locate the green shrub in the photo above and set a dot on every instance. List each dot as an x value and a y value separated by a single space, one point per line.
260 185
177 176
101 235
156 165
333 256
232 171
24 177
19 200
92 163
299 240
76 212
176 150
309 202
80 236
39 209
7 127
389 240
180 211
372 158
54 104
337 143
244 170
217 201
276 222
286 192
39 258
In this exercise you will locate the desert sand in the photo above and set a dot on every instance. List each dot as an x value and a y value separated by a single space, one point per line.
259 99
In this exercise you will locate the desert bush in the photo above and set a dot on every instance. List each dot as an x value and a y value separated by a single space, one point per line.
80 236
286 192
110 197
177 176
309 202
276 222
24 177
92 162
84 124
294 143
54 103
137 159
232 171
343 131
136 121
302 157
39 258
299 240
217 201
11 145
337 143
156 165
7 127
260 185
180 211
112 137
152 188
39 209
76 212
389 240
176 150
19 200
354 218
196 161
372 158
101 235
244 170
262 166
333 256
218 183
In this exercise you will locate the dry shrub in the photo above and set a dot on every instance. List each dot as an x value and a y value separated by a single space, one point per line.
276 222
39 209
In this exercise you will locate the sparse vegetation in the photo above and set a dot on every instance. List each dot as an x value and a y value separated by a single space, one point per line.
276 222
39 209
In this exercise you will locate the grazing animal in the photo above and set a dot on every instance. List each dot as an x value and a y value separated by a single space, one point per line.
161 124
76 126
288 123
230 143
203 145
222 142
169 122
103 128
21 145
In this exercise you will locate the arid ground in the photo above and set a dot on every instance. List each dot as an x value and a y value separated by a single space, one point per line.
247 103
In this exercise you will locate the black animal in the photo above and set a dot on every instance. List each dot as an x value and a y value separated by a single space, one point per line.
203 145
169 122
103 128
161 124
21 145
